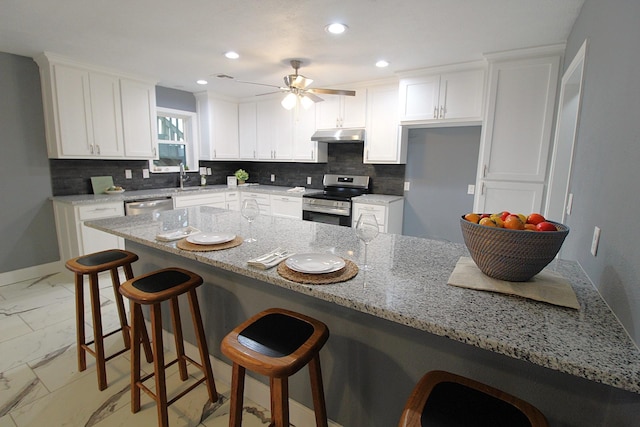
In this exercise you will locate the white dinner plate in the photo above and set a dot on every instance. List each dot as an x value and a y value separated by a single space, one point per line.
315 263
210 238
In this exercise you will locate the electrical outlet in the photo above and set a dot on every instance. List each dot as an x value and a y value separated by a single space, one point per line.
127 174
308 180
471 189
595 241
208 171
407 184
203 171
145 173
273 178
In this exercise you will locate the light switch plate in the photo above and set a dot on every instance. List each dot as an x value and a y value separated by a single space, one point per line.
471 189
273 178
127 174
145 173
407 184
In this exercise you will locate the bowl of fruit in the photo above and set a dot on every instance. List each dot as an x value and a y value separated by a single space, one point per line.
114 189
512 247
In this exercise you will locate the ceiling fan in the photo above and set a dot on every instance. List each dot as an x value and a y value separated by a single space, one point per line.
297 88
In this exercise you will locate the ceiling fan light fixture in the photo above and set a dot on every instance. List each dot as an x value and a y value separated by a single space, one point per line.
336 28
232 55
306 102
289 101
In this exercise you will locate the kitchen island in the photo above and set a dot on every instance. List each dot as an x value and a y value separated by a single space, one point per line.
392 324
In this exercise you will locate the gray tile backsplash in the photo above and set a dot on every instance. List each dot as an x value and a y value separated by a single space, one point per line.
70 177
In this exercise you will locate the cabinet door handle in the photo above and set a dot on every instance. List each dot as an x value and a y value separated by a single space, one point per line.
482 189
442 111
91 149
435 112
215 154
484 171
254 154
97 149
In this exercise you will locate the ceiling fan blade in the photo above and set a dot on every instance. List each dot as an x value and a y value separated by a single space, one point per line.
271 93
225 76
311 96
333 91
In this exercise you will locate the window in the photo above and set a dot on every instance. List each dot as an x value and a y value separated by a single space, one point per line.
177 141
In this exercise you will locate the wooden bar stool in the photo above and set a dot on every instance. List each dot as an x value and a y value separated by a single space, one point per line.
152 289
276 343
92 265
445 399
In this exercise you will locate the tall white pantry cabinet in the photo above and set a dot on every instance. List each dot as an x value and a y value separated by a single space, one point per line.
516 136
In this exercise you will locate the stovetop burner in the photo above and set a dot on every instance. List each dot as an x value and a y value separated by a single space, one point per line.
342 187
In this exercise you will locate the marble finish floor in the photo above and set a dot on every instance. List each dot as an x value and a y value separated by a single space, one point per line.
41 386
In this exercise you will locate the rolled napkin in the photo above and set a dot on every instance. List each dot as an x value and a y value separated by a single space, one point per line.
178 234
270 259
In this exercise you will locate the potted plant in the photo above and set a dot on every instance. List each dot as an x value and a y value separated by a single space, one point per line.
241 175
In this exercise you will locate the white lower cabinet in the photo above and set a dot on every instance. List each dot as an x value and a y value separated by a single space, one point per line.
264 201
216 200
232 200
519 197
75 238
286 206
388 214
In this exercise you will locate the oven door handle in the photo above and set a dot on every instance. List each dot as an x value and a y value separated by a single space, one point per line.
327 210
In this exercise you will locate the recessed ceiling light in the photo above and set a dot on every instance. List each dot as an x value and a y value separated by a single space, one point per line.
336 28
202 82
232 55
382 63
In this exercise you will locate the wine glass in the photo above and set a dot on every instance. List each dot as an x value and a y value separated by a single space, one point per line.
250 211
367 230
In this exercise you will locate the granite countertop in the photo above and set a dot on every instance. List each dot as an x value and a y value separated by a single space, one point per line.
408 286
376 199
83 199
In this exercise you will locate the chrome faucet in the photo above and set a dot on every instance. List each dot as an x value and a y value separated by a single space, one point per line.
183 176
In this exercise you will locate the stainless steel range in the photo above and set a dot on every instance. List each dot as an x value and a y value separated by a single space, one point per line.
333 205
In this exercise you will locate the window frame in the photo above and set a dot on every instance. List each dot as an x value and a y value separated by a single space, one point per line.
191 140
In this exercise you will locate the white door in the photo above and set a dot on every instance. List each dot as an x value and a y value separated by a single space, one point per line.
138 118
247 130
106 112
74 110
461 95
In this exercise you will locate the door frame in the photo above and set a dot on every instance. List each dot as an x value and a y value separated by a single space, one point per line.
560 172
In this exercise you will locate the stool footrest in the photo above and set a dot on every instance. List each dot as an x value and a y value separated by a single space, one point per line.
173 362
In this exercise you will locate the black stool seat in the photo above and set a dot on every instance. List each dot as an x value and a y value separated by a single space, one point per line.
91 265
152 289
443 399
276 343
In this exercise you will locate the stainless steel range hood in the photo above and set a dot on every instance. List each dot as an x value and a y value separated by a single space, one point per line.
339 135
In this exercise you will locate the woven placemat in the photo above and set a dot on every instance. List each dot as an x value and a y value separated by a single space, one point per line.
347 272
188 246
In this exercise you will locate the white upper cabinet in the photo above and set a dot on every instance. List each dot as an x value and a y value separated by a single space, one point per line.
92 113
138 118
516 136
304 126
455 96
218 128
384 141
340 111
274 131
247 132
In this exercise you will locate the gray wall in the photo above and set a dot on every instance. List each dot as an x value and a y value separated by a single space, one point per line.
606 170
27 225
441 163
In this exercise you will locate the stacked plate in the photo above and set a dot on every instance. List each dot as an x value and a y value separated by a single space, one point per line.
210 238
315 263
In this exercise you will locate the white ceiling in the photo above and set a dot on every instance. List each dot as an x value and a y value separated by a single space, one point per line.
180 41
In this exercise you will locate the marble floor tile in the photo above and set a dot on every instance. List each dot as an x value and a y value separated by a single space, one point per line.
19 386
6 421
37 344
12 326
41 386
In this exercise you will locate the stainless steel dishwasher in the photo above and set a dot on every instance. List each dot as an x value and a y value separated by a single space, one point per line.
137 207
